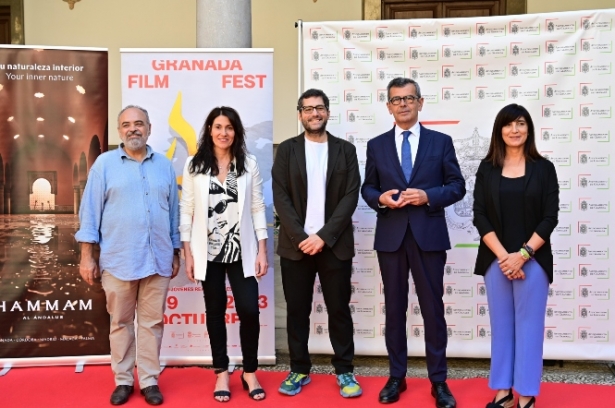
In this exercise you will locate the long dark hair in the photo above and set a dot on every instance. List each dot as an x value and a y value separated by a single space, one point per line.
497 147
204 161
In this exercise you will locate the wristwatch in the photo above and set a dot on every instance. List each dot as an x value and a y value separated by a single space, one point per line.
176 251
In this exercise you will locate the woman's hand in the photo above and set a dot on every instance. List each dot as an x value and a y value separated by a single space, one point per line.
189 266
261 265
511 266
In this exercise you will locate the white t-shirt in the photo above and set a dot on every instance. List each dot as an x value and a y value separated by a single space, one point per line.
316 156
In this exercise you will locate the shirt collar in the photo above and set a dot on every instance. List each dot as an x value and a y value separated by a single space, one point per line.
416 130
123 155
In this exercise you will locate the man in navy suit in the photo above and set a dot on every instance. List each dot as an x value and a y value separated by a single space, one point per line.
411 175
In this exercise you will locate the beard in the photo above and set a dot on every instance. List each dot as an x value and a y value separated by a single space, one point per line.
314 129
135 143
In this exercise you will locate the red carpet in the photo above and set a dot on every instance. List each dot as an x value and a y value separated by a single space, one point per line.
61 387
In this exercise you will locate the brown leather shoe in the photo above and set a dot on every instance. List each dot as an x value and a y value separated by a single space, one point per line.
152 395
121 394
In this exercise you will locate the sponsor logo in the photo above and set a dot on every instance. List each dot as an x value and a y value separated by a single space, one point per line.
416 310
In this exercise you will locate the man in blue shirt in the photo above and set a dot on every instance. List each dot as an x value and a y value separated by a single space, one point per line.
130 208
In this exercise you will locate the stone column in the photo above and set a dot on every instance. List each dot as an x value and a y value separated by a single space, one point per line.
76 199
81 189
224 24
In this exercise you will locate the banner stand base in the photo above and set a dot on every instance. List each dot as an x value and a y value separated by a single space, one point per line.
7 367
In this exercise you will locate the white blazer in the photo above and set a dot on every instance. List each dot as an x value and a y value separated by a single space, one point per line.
194 205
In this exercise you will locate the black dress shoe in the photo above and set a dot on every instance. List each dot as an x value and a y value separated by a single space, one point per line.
444 397
121 394
392 389
152 395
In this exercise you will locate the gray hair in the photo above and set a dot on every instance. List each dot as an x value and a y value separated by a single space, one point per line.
131 107
400 82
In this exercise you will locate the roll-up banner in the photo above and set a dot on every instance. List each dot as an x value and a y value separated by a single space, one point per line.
53 123
559 66
179 87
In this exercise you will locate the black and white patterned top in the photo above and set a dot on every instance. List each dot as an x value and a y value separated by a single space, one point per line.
223 219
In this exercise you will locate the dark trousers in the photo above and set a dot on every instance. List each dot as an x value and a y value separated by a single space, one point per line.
427 270
298 282
245 294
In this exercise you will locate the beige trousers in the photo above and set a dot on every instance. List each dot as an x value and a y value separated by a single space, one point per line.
147 297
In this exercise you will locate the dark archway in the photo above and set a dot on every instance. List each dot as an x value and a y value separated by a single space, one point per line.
46 160
94 151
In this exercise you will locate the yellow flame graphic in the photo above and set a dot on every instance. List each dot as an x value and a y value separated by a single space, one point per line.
183 129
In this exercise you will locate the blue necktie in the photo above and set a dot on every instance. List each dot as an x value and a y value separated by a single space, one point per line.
406 155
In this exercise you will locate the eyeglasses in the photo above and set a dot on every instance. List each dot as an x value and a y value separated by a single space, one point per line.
396 100
310 109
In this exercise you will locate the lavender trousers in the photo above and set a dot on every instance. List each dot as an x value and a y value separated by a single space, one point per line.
517 314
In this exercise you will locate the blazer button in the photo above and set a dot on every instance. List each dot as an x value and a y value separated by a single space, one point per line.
334 238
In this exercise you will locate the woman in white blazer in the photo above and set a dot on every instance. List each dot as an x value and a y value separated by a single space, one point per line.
224 233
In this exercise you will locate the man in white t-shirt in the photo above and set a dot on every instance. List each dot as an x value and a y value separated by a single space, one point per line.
316 185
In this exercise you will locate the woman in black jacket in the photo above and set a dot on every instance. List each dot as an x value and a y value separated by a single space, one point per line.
516 201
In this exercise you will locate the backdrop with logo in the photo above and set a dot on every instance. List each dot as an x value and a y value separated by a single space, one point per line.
53 124
560 67
179 87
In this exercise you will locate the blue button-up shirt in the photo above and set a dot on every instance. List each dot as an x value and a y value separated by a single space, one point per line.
131 209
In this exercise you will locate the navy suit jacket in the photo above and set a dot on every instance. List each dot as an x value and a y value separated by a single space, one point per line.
435 170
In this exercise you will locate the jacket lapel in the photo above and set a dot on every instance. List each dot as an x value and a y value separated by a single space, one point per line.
334 150
241 192
391 152
496 176
529 168
204 180
424 142
299 151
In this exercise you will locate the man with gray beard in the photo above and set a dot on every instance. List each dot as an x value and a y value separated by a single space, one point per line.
130 208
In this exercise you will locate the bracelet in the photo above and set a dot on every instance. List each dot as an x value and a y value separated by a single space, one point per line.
529 250
524 254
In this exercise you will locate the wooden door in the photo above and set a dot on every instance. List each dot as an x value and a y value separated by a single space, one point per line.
410 9
5 24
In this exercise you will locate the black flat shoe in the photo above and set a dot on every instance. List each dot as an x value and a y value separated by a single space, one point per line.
121 394
152 395
506 402
443 395
392 389
254 392
530 403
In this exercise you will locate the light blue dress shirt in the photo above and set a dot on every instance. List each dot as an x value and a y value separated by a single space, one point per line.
131 209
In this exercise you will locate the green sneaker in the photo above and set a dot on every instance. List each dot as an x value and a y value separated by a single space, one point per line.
349 386
293 383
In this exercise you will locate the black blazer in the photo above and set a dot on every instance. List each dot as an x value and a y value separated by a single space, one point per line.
290 196
540 208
